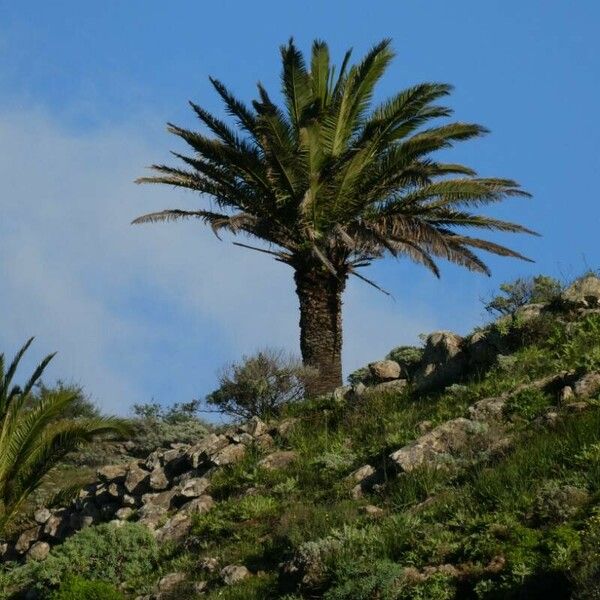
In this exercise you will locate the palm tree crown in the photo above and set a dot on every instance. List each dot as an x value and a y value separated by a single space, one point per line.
330 182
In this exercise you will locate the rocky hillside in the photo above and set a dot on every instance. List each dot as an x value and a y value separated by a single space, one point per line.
469 468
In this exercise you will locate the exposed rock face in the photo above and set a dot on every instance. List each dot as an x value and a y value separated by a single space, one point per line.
385 370
587 386
584 293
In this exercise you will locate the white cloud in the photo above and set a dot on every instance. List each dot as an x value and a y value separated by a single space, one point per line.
111 298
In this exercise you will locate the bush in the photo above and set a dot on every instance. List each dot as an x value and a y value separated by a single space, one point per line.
78 588
540 289
159 427
260 385
112 554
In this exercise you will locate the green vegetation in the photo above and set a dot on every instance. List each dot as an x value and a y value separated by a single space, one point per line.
260 385
332 183
34 435
77 588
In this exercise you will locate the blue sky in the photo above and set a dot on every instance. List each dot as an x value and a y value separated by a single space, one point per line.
152 313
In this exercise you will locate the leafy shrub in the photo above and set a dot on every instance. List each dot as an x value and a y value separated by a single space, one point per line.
78 588
527 404
522 291
260 385
408 357
112 554
158 427
556 502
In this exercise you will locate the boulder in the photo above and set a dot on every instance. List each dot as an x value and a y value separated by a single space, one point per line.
284 428
362 473
232 574
228 455
175 529
158 480
372 511
278 460
39 551
342 393
194 487
385 370
488 409
198 505
584 293
41 515
27 538
170 582
255 427
201 452
587 386
56 527
436 447
123 514
137 479
394 386
443 362
528 312
112 472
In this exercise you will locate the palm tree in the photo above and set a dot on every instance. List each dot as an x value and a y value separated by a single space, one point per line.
331 184
34 438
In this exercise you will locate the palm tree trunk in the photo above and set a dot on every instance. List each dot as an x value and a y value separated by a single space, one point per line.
320 296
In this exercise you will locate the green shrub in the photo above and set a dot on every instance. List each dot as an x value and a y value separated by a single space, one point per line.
408 357
527 404
78 588
260 385
540 289
126 554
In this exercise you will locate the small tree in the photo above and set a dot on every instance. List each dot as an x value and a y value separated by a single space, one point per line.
522 291
260 385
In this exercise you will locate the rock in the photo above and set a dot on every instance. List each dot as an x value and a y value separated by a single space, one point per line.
240 437
359 389
112 472
27 538
340 394
175 529
255 427
584 293
285 427
443 363
483 348
158 480
169 583
229 455
587 386
488 409
385 370
199 587
194 487
123 514
209 564
278 460
566 395
528 312
41 515
162 499
201 452
424 426
576 407
362 473
137 479
396 385
372 511
199 505
264 441
437 446
153 460
55 527
38 551
129 500
232 574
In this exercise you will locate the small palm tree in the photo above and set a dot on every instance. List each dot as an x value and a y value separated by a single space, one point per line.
331 184
34 438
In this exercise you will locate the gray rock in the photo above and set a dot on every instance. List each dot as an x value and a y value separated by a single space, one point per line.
232 574
385 370
41 515
435 447
169 583
158 480
255 427
488 409
566 395
124 513
443 362
137 479
38 551
228 455
56 527
278 460
395 386
587 386
528 312
112 472
285 427
362 473
195 487
264 441
201 452
27 538
584 293
372 511
198 505
175 529
342 393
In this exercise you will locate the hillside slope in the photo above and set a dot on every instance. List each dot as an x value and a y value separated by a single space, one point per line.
467 469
